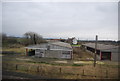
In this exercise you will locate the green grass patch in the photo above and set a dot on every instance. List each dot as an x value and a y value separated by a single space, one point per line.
55 63
76 45
112 66
37 62
78 65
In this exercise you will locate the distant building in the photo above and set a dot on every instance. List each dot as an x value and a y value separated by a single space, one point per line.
72 40
104 52
51 50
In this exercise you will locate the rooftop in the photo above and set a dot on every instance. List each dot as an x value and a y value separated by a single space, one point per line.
44 45
62 44
100 46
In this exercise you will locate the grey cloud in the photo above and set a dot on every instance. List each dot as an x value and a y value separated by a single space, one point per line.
51 19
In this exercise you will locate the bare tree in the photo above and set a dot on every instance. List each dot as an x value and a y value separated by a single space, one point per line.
33 38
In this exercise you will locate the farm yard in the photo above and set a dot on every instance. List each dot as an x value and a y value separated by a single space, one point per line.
60 40
80 67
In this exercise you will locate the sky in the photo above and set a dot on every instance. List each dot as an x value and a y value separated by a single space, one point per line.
82 20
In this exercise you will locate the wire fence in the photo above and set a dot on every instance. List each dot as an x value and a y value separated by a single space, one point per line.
72 72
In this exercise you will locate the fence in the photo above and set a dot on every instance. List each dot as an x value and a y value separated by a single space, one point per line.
64 71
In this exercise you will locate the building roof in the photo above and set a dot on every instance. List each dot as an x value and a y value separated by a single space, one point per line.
62 44
100 46
53 45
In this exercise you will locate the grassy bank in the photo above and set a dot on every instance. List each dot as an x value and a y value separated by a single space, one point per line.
58 68
64 72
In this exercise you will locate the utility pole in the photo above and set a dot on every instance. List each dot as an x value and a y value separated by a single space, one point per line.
95 50
34 39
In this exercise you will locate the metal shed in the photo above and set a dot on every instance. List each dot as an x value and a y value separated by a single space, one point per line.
51 50
104 52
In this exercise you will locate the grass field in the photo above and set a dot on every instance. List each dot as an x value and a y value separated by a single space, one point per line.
60 68
16 50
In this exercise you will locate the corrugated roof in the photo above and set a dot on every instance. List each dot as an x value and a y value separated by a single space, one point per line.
44 45
62 44
100 46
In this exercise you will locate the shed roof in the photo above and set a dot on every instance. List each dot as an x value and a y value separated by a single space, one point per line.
62 44
100 46
44 45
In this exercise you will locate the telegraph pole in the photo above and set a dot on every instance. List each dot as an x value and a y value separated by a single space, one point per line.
95 50
34 39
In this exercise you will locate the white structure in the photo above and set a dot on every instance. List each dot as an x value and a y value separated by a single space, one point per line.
74 41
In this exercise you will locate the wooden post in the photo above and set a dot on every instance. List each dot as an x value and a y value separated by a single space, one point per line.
38 69
16 66
77 76
95 51
106 73
26 51
71 54
110 56
83 72
100 55
60 70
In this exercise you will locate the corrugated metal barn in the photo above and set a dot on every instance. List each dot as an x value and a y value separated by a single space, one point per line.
51 50
104 52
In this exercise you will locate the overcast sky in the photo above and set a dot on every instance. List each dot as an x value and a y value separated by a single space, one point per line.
82 20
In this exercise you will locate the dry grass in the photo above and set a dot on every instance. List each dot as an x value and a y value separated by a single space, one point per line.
58 71
68 72
79 54
17 50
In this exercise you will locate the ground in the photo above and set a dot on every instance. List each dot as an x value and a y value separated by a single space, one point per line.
78 68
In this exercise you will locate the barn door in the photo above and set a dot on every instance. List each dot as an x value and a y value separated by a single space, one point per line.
106 56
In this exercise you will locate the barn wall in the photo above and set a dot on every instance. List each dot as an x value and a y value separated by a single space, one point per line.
39 53
115 54
59 47
68 55
53 53
115 57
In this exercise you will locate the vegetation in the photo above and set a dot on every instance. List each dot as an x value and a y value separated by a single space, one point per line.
77 64
76 71
76 45
49 68
33 38
17 42
8 40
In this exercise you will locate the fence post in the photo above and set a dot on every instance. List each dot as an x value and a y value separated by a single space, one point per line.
38 69
41 70
60 70
77 76
6 66
106 73
16 66
83 72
